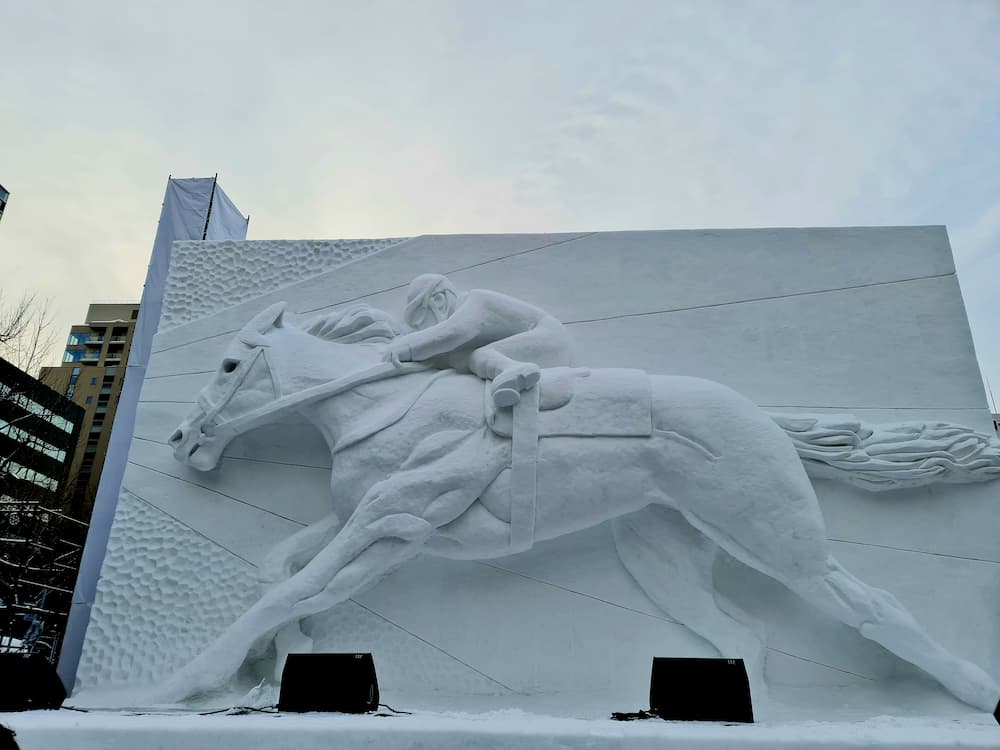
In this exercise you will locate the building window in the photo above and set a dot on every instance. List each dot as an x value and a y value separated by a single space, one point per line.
30 441
30 475
73 355
90 399
79 337
34 407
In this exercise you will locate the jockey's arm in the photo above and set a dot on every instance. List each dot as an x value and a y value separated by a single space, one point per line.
463 327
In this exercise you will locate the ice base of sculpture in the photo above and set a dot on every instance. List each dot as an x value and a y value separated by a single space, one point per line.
457 726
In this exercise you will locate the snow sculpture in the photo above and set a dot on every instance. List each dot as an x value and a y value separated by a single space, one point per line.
430 459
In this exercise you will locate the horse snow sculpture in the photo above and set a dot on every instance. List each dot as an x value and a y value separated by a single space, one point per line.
426 464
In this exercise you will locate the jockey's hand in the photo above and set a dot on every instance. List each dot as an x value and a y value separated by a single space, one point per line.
397 352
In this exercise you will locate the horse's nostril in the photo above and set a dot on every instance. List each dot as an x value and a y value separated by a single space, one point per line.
176 437
193 450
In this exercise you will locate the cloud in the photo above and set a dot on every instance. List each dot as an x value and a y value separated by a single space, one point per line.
387 119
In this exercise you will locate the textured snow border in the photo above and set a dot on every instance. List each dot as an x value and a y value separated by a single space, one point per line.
206 277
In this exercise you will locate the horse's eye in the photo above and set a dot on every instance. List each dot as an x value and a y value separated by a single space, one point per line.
228 365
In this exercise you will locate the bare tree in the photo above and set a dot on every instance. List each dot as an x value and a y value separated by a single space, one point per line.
26 335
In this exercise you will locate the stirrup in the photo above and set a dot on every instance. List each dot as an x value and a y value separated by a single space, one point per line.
506 397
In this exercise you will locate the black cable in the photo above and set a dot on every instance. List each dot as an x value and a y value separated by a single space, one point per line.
633 715
386 705
242 710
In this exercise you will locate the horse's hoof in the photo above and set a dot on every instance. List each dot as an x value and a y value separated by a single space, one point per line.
506 397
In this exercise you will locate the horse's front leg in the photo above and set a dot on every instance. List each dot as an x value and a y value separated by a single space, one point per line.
440 480
357 557
295 551
281 563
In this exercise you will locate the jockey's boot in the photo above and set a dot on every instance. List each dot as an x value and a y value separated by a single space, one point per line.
509 384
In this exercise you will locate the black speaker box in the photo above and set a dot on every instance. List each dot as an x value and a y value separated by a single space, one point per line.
345 683
28 683
700 690
7 741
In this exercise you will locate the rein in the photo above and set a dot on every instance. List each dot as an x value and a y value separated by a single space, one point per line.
290 403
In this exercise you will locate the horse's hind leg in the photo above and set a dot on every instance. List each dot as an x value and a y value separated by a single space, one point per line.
799 557
672 563
880 617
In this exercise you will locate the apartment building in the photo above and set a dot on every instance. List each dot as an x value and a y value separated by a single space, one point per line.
91 375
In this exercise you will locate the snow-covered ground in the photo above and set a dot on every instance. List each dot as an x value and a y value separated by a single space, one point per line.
496 730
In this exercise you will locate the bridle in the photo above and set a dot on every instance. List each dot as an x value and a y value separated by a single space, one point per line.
210 424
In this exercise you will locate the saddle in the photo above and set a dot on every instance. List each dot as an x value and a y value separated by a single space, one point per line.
566 402
614 402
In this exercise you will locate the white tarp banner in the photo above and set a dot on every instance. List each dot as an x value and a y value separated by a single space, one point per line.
225 222
193 209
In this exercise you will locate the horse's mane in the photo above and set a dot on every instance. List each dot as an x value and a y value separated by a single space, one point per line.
356 324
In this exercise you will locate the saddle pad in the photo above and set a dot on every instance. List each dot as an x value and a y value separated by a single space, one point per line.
613 402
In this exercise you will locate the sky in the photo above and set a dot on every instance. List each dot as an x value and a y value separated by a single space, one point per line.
379 119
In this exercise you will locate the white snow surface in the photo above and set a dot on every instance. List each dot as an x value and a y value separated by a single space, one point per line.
495 730
867 321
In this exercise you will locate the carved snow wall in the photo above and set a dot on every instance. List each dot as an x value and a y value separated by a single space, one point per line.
862 321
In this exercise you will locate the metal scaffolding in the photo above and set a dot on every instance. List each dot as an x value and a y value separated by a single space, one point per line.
40 550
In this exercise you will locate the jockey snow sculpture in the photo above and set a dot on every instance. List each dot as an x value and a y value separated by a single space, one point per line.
430 461
497 337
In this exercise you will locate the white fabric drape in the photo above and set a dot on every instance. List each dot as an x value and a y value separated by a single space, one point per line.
193 209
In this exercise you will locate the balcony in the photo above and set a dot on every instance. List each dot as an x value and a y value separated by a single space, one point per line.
94 341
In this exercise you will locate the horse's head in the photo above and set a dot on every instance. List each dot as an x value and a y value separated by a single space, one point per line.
244 381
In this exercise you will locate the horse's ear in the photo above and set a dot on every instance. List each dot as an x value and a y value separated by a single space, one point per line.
272 317
264 321
279 319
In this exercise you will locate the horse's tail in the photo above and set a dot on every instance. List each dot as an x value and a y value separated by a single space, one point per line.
890 456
